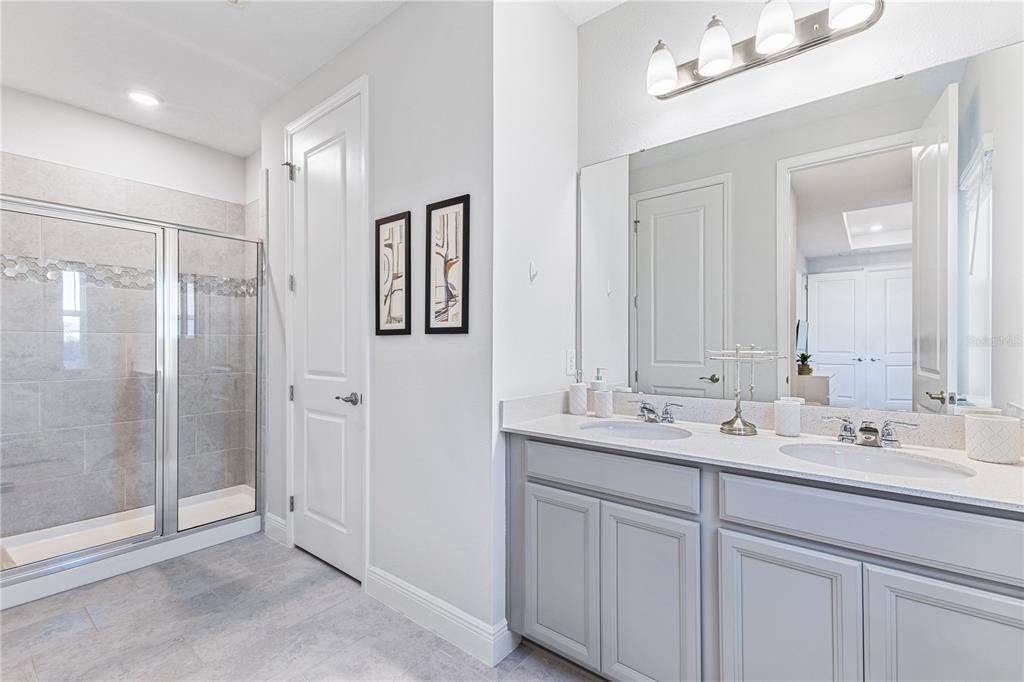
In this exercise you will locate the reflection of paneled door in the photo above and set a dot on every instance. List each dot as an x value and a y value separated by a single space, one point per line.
837 334
860 335
890 339
935 277
679 286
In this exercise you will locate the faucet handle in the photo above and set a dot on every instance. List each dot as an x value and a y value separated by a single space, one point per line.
889 431
666 412
846 432
845 420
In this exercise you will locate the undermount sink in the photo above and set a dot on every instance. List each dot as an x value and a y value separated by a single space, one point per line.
636 430
875 460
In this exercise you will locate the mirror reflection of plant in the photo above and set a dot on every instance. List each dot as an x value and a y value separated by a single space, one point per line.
803 358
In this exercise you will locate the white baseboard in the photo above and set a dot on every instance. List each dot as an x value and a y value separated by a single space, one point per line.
144 555
489 643
276 528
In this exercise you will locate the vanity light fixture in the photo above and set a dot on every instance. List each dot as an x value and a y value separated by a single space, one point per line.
143 98
779 36
776 27
847 13
715 53
661 70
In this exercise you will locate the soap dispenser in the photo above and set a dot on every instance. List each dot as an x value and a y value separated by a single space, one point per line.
598 383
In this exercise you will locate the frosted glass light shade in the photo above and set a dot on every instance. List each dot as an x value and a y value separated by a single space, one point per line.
661 71
776 27
847 13
715 54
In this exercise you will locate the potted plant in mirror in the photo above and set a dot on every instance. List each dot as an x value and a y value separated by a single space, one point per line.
802 367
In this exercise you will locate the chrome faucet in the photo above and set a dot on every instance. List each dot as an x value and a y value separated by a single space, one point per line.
868 434
647 412
889 432
846 432
650 415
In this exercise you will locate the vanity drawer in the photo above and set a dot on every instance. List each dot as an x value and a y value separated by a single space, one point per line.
970 544
658 483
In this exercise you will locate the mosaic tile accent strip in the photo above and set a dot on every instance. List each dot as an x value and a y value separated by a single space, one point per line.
26 269
43 270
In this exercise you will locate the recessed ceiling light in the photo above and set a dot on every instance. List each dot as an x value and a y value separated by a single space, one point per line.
876 228
143 98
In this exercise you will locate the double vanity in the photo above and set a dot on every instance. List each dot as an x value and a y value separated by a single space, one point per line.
655 551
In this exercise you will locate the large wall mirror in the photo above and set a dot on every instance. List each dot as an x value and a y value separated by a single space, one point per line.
880 232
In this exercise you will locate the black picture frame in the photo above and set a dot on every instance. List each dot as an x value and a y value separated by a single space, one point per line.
455 242
389 329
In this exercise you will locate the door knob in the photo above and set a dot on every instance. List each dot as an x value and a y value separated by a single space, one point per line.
858 359
352 398
940 396
713 379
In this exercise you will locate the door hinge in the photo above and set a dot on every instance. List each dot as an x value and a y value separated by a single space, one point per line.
291 392
291 170
636 375
635 303
636 226
291 282
291 503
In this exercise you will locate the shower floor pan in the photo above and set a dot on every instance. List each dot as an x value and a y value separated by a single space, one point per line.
198 510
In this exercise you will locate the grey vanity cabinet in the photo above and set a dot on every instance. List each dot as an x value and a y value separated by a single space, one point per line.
787 612
562 545
612 587
917 628
650 595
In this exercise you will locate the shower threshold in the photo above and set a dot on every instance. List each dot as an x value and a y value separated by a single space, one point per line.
197 510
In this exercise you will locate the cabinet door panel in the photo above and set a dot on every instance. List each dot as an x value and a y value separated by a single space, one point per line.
562 595
922 629
787 613
650 595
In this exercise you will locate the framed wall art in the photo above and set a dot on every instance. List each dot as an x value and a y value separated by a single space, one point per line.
394 263
447 295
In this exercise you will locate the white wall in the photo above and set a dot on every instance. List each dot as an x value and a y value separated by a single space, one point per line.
534 197
253 168
618 117
991 97
51 131
431 502
604 244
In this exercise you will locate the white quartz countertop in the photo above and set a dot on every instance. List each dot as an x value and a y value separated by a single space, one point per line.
997 486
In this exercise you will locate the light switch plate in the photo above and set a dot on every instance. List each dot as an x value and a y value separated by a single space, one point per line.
570 362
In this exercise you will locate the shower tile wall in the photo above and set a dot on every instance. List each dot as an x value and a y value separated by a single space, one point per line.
78 441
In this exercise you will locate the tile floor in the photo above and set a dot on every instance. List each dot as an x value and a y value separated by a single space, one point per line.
250 609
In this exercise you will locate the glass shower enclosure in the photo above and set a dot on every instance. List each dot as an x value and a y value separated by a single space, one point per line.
129 383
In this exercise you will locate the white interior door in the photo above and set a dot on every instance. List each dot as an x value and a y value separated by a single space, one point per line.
329 334
935 273
890 344
837 334
679 276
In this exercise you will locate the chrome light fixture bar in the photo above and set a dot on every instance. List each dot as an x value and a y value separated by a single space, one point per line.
810 32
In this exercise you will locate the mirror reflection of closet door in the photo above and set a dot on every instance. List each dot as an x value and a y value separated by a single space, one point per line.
890 340
837 339
679 287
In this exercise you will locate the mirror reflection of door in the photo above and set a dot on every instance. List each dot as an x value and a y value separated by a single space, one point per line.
679 286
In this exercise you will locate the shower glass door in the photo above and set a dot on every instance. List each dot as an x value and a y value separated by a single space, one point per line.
216 369
80 427
129 380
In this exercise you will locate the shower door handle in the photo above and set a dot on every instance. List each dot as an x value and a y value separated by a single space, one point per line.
352 398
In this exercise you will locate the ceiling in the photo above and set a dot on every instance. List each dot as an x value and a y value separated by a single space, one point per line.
217 65
825 192
582 11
